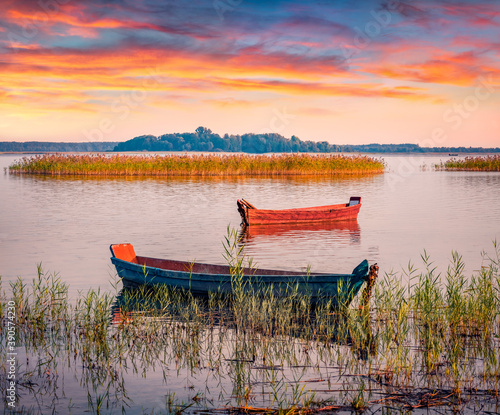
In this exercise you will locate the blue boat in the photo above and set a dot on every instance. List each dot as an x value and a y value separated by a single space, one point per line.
202 279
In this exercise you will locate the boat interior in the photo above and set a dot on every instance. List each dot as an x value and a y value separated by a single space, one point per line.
126 252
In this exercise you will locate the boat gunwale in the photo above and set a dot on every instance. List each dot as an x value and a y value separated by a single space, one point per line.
340 206
258 273
318 286
337 212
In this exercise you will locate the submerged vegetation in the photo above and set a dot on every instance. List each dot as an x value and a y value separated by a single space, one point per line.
196 165
428 340
487 163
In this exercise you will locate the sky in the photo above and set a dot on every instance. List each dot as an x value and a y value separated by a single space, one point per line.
347 72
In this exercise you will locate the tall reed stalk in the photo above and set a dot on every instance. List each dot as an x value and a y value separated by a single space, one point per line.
196 165
477 163
429 339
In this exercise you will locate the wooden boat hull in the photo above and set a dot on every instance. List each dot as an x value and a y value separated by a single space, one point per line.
339 212
202 279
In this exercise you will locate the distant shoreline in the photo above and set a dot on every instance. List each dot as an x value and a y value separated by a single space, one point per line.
203 140
398 153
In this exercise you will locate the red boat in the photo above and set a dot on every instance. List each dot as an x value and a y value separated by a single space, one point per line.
250 215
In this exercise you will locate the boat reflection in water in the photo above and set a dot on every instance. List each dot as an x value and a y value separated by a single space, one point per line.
164 310
347 230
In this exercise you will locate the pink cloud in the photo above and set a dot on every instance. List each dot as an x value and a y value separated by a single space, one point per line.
477 14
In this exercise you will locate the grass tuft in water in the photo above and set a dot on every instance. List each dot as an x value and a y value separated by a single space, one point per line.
196 165
478 163
429 339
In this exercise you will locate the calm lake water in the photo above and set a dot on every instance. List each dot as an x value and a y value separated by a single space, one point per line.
67 224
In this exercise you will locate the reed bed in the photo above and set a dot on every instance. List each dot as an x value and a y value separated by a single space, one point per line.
428 341
487 163
196 165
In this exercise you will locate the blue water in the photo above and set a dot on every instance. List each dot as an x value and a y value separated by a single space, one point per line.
67 224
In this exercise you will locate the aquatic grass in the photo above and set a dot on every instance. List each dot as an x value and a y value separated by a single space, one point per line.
196 165
429 339
478 163
174 407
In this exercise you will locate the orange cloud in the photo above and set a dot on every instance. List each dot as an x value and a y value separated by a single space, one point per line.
477 14
232 103
313 88
459 69
94 79
294 59
86 21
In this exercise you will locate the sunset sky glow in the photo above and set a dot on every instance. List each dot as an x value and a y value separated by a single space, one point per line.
346 72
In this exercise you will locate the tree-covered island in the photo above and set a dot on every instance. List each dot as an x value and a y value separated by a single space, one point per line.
203 139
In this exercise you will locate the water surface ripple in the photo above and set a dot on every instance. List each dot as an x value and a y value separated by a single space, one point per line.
67 224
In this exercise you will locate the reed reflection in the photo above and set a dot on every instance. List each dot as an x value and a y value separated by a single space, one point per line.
248 330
